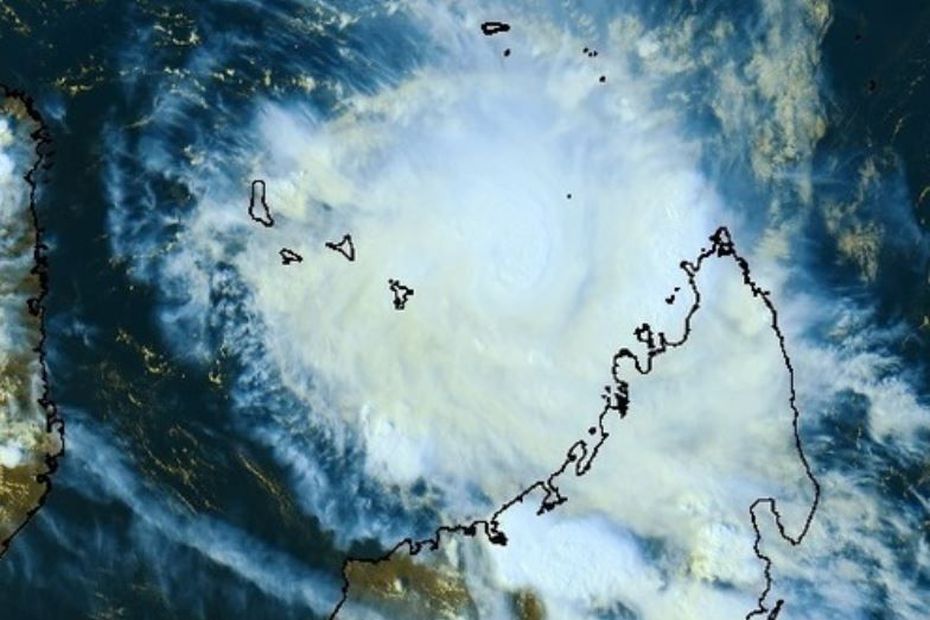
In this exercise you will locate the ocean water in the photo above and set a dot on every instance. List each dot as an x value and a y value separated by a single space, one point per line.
236 428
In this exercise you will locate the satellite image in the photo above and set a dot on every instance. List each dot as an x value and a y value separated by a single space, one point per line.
464 309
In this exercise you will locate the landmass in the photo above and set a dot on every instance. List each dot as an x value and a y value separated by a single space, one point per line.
492 28
258 205
401 294
429 578
289 256
31 430
344 247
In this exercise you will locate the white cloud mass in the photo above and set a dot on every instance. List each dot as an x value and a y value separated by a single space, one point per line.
540 214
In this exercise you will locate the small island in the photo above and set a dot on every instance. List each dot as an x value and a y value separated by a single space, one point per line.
401 293
492 28
344 247
289 256
258 205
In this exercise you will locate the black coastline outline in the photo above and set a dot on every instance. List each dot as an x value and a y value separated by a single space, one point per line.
402 294
344 247
616 399
264 219
492 28
289 256
53 421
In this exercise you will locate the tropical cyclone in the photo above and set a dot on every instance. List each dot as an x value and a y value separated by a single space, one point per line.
449 575
31 433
